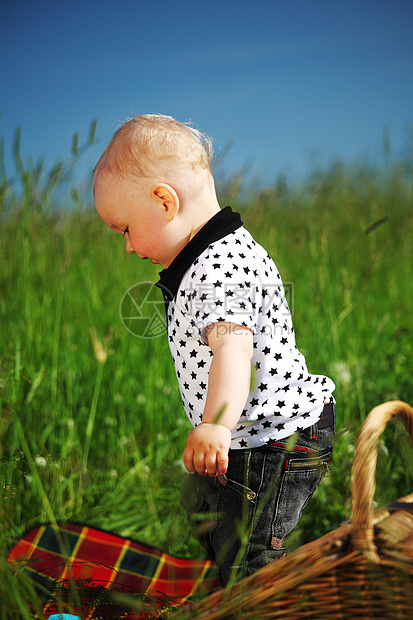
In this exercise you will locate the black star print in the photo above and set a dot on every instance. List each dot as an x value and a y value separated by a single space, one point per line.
278 356
193 353
243 443
281 403
262 387
279 427
254 402
201 364
266 424
266 350
199 396
253 431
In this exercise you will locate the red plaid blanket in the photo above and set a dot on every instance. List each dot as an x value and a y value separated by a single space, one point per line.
96 570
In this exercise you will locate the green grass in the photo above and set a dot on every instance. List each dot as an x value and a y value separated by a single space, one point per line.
91 424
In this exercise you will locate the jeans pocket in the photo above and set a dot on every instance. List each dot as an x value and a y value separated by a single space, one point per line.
301 477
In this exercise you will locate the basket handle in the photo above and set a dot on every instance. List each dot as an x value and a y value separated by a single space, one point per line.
363 472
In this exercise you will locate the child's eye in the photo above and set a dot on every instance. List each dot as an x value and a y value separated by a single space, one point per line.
126 231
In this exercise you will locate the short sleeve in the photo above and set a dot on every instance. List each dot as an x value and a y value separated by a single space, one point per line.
222 289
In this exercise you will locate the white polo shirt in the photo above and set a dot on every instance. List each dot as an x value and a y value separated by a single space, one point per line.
224 275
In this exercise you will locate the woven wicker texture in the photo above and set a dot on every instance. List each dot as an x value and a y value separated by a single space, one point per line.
363 569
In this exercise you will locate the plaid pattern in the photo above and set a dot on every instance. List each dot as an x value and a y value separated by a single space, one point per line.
72 553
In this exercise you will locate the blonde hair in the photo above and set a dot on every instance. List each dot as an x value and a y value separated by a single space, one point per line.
154 146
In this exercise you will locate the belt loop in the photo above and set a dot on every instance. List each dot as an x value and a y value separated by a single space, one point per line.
314 431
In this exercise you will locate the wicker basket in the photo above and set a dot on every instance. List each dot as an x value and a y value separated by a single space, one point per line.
363 569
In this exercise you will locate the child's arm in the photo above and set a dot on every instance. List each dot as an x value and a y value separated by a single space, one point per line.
228 386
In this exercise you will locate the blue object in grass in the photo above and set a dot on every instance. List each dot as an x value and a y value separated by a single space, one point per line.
64 617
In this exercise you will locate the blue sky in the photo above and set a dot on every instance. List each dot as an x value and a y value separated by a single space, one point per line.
292 81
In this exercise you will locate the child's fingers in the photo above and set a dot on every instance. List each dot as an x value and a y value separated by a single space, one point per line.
199 463
222 460
188 458
211 464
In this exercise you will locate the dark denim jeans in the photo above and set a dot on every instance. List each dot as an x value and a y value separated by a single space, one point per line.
243 518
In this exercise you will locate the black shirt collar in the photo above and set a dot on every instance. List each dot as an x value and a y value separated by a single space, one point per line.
219 226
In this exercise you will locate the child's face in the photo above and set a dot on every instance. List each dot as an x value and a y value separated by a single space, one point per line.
137 217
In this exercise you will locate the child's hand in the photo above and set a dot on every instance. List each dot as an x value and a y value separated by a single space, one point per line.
207 449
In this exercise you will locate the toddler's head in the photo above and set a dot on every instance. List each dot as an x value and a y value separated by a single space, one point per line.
153 147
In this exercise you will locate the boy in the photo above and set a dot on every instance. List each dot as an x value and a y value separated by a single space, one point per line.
226 315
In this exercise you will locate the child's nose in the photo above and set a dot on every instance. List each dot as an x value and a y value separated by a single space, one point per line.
129 247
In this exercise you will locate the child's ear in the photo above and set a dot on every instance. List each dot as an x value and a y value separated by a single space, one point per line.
167 200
